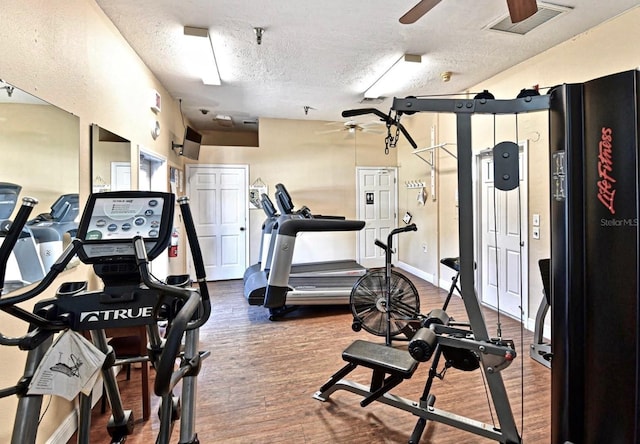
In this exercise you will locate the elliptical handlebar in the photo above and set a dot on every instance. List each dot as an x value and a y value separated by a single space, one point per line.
57 268
164 370
28 203
198 262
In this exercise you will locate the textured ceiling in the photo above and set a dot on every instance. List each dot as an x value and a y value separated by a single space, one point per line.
325 54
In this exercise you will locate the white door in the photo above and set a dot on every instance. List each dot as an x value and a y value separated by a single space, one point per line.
120 176
219 202
503 260
377 206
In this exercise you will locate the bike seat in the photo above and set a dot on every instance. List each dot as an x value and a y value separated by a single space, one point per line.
451 262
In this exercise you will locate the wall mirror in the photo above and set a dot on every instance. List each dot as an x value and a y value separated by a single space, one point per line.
110 161
40 146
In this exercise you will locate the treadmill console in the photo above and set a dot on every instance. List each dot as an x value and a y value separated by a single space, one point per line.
111 220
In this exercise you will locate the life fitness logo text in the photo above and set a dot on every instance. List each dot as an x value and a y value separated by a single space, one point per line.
606 184
114 315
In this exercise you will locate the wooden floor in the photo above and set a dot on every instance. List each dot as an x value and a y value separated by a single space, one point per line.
257 386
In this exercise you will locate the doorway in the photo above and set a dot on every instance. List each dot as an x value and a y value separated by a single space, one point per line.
220 202
377 192
502 239
152 176
152 172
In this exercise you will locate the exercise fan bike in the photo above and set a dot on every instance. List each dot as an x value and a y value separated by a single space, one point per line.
385 302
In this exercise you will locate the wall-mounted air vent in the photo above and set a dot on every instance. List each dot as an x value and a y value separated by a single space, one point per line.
546 12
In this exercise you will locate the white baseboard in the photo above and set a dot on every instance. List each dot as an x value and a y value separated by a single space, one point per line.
531 326
65 431
69 425
416 271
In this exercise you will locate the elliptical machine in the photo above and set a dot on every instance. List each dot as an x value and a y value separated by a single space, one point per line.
119 234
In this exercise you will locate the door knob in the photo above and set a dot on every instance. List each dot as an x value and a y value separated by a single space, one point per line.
241 228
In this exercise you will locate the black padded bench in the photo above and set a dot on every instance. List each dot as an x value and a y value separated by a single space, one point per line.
390 367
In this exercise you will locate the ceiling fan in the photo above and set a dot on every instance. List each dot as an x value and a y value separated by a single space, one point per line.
352 127
519 10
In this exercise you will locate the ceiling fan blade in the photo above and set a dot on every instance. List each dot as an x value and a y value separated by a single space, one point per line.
520 10
376 124
418 11
329 131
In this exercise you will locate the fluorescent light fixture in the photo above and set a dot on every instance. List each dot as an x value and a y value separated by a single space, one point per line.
224 120
395 76
201 54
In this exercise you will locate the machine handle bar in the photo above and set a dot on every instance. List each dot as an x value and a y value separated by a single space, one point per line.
385 118
173 341
57 268
389 245
198 262
42 328
13 234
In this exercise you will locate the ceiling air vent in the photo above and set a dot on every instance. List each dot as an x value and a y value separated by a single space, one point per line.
546 12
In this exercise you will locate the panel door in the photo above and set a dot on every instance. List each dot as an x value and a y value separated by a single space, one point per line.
503 257
378 208
220 205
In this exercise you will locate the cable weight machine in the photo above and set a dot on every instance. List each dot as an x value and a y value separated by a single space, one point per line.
391 366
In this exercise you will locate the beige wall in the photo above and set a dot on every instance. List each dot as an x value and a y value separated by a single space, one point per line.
69 54
318 169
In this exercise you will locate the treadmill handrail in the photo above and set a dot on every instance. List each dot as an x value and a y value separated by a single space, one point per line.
291 227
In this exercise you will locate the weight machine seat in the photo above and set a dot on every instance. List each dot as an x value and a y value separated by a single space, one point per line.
380 357
545 273
454 263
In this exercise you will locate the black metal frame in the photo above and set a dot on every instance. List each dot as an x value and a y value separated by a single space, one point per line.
464 109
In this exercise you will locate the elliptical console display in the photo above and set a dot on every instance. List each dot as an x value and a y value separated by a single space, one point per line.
111 220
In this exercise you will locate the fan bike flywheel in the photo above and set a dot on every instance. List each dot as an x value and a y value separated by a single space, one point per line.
369 306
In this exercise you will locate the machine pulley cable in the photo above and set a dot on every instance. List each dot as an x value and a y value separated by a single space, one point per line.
521 244
520 264
495 242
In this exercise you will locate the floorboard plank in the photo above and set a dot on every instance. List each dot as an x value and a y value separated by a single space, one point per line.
257 386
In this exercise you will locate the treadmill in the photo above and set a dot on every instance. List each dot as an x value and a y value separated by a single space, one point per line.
318 283
49 229
343 267
267 227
